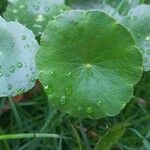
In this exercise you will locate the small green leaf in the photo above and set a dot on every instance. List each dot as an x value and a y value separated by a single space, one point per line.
111 137
138 22
88 64
17 58
35 14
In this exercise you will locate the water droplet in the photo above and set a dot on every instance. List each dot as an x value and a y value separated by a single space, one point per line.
69 75
22 6
61 10
46 9
12 69
27 46
63 100
19 64
134 17
147 38
68 91
99 103
40 18
90 73
46 87
89 110
9 86
1 74
52 74
36 7
79 109
24 37
15 11
7 75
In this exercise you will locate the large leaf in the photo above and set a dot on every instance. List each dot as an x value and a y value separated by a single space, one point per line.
138 22
17 58
95 5
111 137
35 14
88 64
121 6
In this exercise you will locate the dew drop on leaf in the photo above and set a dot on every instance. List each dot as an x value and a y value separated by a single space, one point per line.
68 91
22 6
89 110
1 74
24 37
63 100
147 38
134 17
46 9
40 18
19 64
36 7
9 86
12 69
69 75
46 87
79 109
99 103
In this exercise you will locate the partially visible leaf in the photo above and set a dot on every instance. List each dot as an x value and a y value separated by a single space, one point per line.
17 58
35 14
96 5
111 137
88 64
138 22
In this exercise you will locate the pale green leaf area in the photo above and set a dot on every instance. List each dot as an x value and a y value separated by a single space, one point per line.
138 22
35 14
17 58
88 64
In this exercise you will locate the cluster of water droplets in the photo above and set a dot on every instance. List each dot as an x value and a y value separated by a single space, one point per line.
67 93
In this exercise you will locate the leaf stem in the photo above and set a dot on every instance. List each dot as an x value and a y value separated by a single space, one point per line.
27 135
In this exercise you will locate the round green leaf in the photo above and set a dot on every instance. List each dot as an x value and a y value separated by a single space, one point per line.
138 22
17 58
35 14
88 64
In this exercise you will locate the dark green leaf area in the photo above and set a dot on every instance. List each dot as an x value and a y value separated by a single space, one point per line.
88 64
